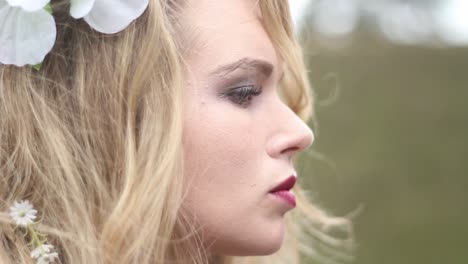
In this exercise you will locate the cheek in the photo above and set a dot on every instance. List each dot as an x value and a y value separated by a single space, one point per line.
225 169
219 154
218 136
218 163
214 139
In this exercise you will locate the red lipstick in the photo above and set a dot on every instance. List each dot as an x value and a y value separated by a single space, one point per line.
282 190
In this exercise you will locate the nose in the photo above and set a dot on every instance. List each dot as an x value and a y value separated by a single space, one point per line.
290 135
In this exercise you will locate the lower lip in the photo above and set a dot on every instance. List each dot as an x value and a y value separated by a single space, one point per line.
286 196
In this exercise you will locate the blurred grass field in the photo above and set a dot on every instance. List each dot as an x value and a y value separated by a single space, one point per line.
395 141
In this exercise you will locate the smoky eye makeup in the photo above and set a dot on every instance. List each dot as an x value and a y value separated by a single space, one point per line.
240 82
241 91
242 95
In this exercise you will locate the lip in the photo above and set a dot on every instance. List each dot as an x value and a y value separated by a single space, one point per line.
286 196
283 192
285 185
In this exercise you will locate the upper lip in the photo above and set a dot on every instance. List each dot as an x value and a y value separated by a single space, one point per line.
285 185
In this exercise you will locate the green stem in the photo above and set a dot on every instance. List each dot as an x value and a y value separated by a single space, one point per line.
35 238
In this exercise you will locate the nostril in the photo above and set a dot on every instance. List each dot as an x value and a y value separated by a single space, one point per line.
290 149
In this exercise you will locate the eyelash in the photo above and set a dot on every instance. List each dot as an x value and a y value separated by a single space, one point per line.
243 95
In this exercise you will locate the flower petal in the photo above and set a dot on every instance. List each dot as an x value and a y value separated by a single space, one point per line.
40 250
47 258
25 38
112 16
80 8
29 5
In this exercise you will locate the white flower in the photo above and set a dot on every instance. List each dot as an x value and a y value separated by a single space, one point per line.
23 213
25 37
44 255
80 8
28 32
47 258
29 5
108 16
40 250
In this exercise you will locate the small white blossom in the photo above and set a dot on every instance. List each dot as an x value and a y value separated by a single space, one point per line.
40 250
23 213
47 258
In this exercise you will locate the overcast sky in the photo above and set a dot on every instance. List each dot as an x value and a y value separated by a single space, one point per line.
450 16
297 8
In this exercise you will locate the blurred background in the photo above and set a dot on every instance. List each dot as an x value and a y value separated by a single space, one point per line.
391 84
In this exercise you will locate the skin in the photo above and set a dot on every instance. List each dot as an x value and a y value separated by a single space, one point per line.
236 150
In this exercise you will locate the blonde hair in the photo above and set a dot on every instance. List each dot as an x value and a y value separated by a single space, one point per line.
93 140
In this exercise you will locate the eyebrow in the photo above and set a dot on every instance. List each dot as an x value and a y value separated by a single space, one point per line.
262 66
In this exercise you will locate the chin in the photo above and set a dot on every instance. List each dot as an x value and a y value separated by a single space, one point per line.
267 248
256 245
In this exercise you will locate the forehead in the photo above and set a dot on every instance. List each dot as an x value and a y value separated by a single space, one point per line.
222 31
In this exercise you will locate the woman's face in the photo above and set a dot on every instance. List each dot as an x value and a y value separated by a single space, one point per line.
239 137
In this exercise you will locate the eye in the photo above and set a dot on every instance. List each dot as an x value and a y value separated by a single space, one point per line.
243 95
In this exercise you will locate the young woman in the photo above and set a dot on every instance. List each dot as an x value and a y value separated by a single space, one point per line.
170 141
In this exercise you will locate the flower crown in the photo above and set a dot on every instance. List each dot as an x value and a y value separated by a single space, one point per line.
28 30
